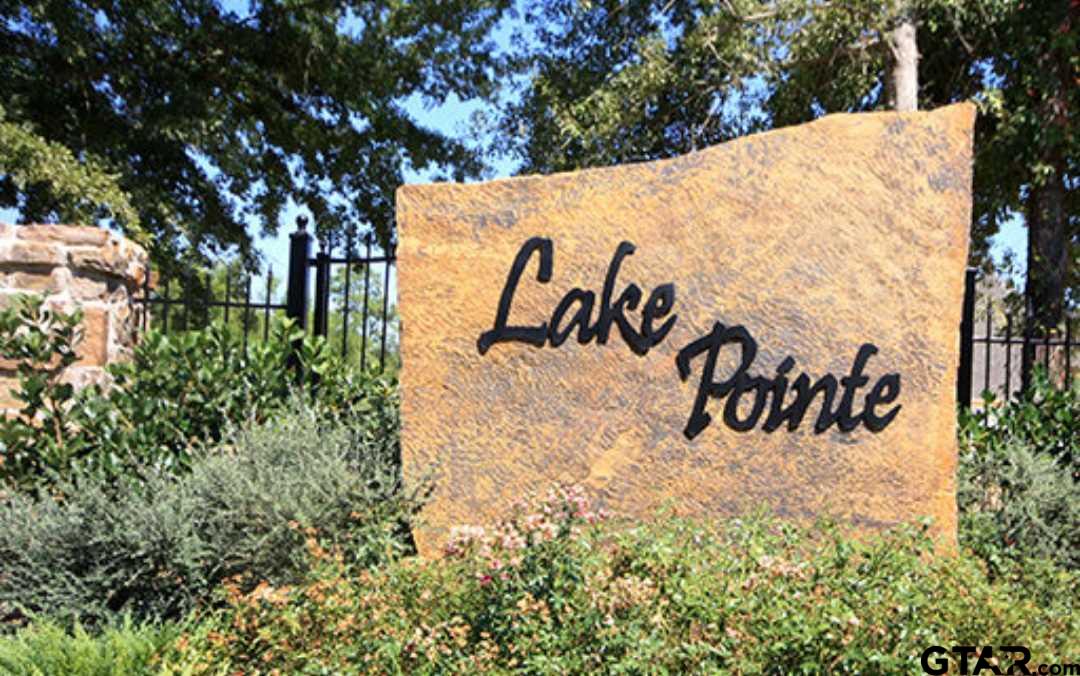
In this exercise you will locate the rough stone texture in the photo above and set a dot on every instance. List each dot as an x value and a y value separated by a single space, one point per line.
75 266
94 349
8 386
65 234
33 254
817 238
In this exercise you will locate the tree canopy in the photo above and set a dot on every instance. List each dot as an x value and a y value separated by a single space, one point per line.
83 191
180 121
184 118
614 81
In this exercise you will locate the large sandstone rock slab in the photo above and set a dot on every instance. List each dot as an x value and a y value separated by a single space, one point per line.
833 242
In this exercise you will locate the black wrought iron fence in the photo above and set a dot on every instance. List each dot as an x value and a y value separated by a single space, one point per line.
1000 349
196 299
352 303
363 323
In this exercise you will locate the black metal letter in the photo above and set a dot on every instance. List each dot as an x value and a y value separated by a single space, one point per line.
629 299
585 299
851 382
699 418
660 302
884 391
533 335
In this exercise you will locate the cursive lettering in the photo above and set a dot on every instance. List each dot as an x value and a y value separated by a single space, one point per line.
761 390
575 310
783 402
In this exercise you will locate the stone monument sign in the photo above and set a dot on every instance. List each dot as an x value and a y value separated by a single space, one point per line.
768 322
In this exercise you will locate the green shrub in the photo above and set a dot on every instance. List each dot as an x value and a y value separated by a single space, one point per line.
48 649
549 591
1045 417
174 398
1018 483
158 550
41 342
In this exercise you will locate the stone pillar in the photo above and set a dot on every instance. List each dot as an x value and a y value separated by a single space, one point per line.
75 267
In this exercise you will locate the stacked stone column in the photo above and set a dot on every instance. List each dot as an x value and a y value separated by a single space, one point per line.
75 267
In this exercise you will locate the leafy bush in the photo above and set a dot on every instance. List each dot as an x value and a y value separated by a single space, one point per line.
158 550
41 343
559 589
47 649
1019 478
176 396
1046 417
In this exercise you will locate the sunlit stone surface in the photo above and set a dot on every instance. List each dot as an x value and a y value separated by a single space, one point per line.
817 240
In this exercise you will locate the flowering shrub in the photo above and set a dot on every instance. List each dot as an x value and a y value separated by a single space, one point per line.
534 521
558 587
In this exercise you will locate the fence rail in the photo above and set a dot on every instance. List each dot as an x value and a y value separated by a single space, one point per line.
160 302
1000 360
351 304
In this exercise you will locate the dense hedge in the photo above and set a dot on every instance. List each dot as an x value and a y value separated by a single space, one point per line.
159 549
175 398
549 592
1019 477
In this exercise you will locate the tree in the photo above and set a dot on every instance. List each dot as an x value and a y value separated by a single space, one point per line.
1019 61
82 191
207 115
623 81
902 73
614 82
1032 149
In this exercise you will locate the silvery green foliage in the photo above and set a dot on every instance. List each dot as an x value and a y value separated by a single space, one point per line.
1018 482
1019 503
159 550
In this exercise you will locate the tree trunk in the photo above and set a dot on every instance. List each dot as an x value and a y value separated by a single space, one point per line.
1048 260
1047 266
1045 209
902 78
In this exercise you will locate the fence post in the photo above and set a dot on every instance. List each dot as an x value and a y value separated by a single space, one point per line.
967 341
322 293
296 296
1027 355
